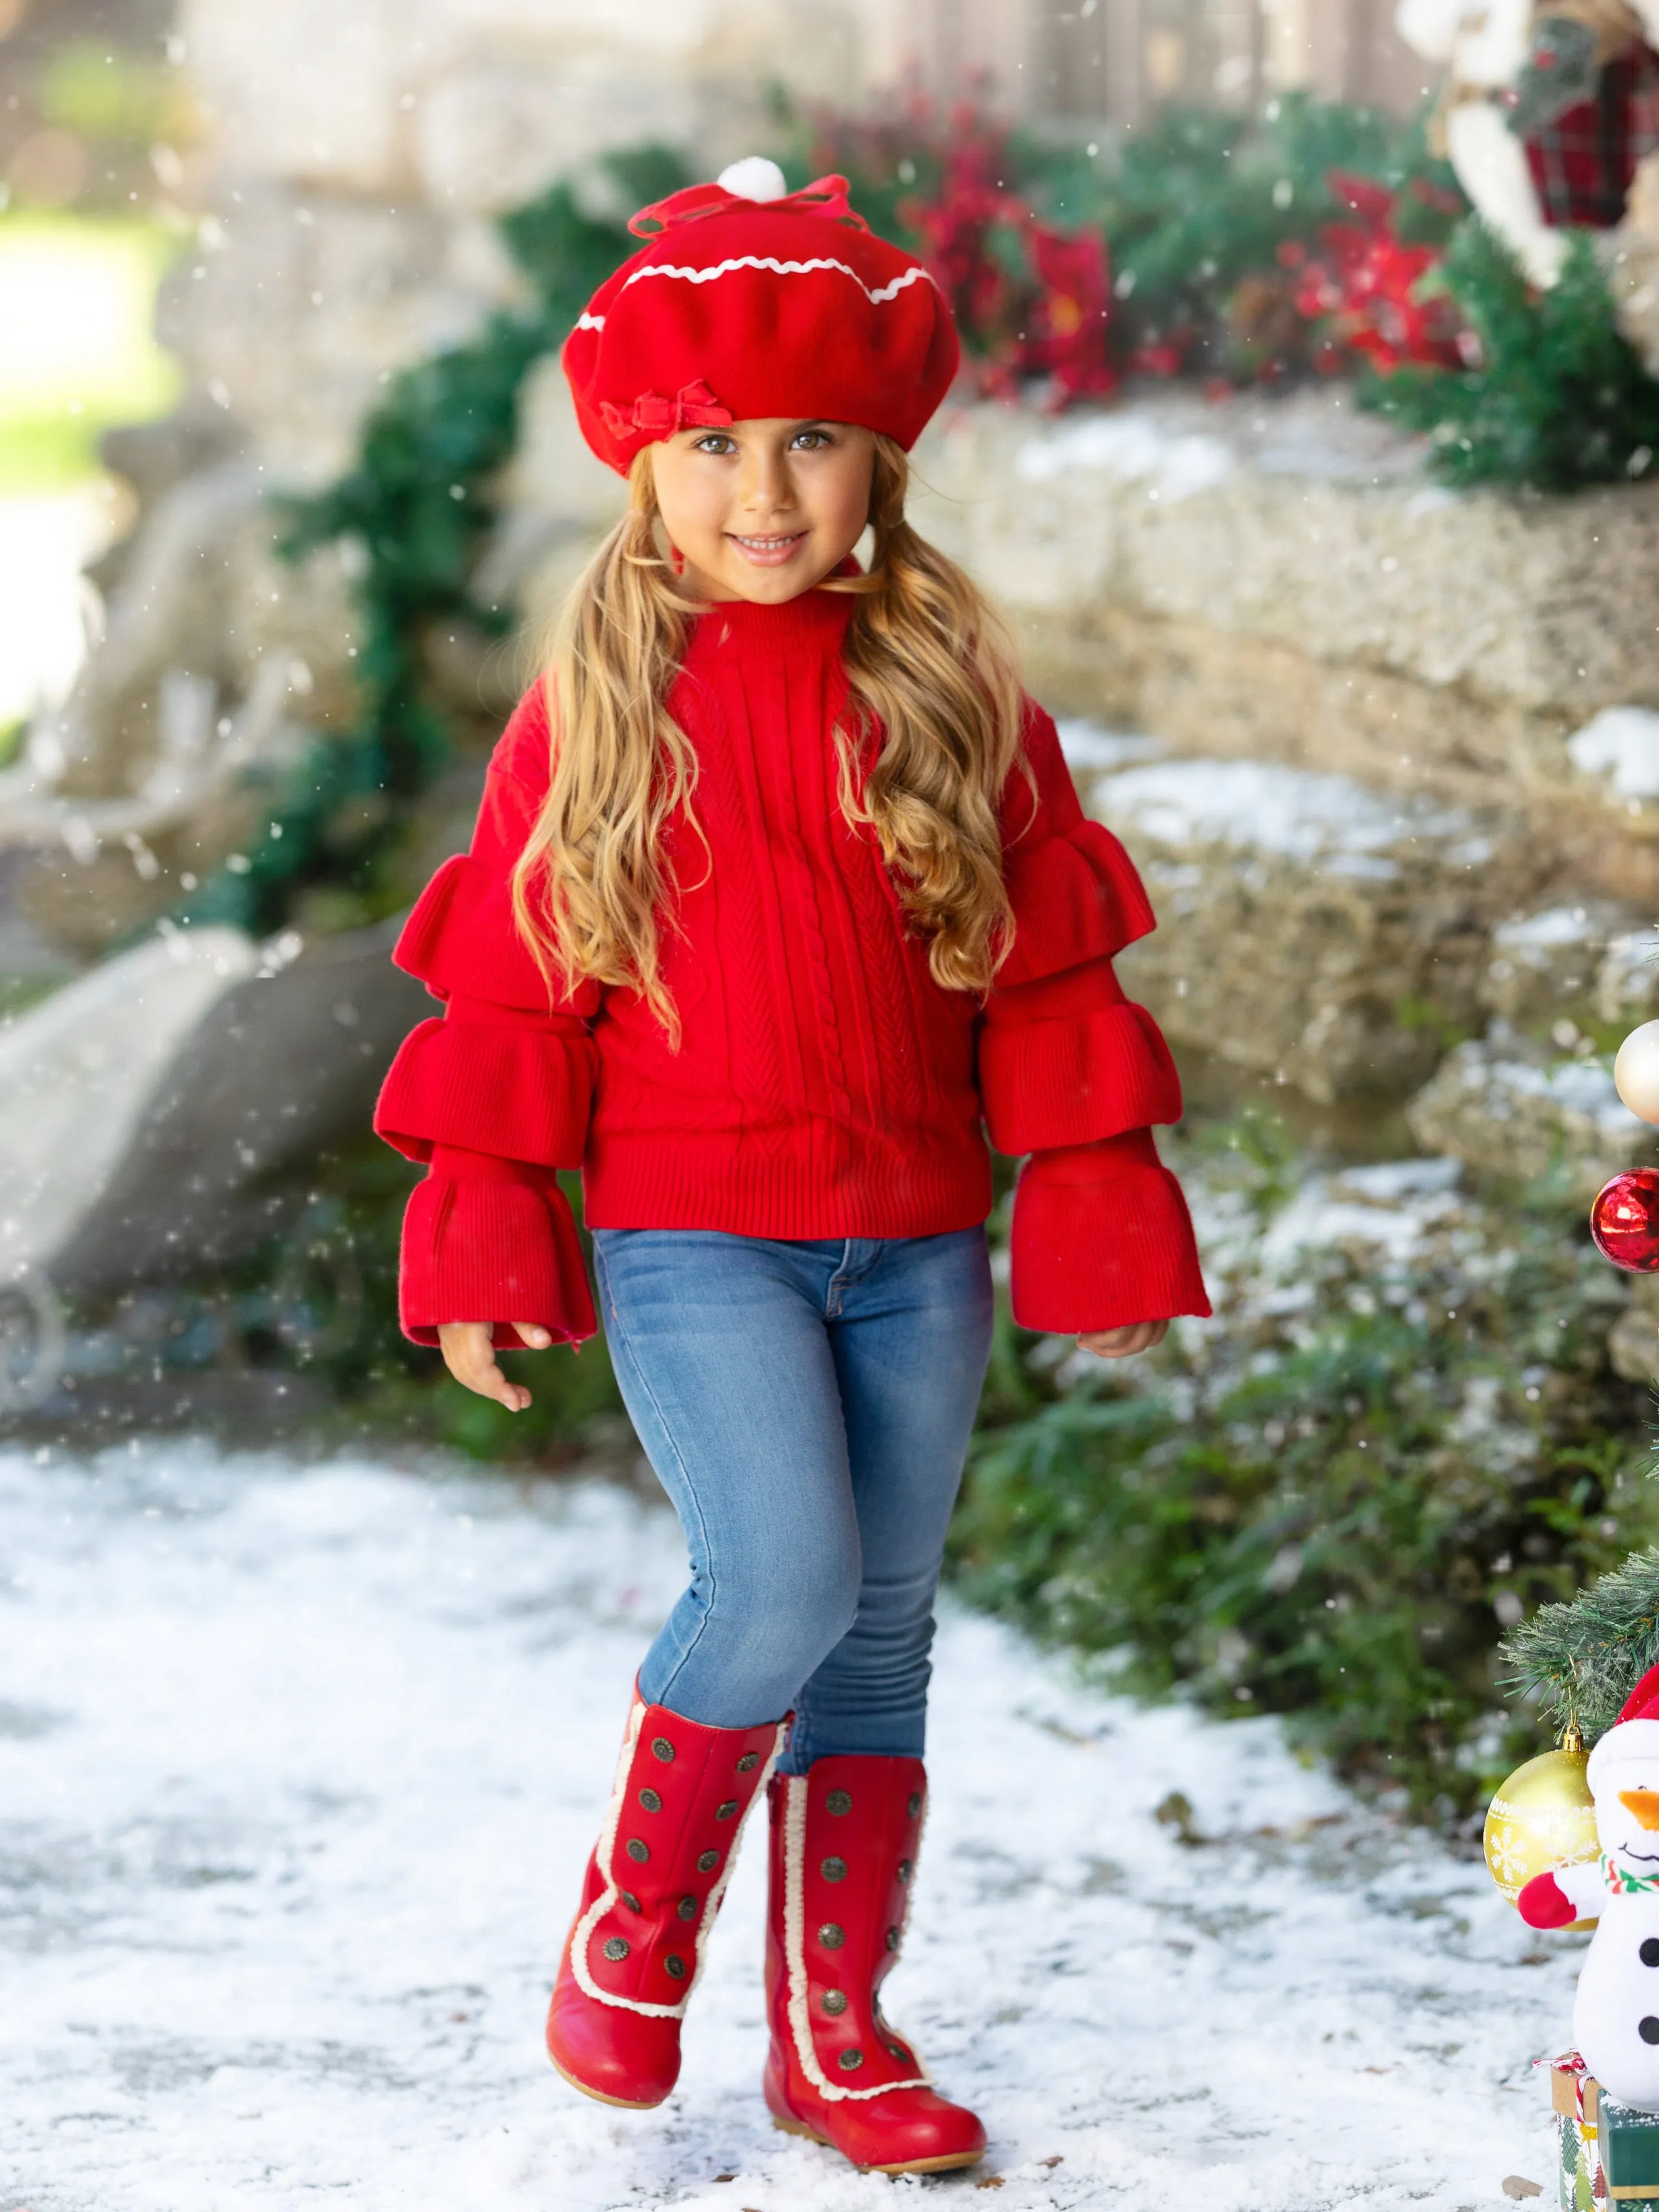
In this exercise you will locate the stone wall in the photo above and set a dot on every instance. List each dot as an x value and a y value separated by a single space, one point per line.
1279 580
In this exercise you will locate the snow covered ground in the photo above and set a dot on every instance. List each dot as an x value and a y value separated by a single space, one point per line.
298 1767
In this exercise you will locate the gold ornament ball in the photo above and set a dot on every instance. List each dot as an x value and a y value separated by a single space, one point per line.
1636 1072
1541 1818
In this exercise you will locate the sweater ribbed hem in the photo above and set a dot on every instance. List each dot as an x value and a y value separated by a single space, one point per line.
827 1184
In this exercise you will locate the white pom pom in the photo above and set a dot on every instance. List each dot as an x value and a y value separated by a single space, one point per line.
754 178
1636 1072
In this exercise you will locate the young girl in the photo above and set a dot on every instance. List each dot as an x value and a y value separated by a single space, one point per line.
779 900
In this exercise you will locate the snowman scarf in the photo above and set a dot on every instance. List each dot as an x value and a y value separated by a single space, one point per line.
1623 1884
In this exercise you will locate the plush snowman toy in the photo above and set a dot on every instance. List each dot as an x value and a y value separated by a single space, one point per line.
1615 2016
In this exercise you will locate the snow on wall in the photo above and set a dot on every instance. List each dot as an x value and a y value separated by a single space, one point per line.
1345 828
1620 744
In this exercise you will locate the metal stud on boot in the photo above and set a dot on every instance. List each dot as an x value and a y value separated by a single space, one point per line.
654 1885
844 1840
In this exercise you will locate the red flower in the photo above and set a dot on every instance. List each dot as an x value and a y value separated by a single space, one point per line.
1029 300
1157 357
1066 325
1367 287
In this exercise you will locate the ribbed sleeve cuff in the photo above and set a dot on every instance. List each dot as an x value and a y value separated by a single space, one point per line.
492 1250
1101 1238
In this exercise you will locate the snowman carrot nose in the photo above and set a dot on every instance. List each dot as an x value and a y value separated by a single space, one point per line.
1644 1804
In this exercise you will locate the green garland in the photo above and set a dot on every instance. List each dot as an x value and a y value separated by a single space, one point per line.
1556 397
1200 205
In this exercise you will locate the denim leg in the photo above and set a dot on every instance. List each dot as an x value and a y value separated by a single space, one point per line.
723 1357
910 1344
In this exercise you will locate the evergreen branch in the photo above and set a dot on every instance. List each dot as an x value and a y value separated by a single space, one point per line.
1555 396
1582 1659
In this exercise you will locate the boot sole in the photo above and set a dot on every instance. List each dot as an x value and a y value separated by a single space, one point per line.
950 2163
622 2104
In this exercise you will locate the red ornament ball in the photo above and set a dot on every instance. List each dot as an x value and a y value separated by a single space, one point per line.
1624 1221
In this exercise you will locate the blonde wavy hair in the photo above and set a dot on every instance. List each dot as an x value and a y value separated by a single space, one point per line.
931 670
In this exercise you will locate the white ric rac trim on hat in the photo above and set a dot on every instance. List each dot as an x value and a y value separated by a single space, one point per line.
879 298
586 322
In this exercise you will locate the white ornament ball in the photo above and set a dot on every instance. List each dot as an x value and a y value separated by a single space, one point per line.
1636 1072
754 178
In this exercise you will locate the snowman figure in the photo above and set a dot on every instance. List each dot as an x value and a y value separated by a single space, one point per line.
1615 2015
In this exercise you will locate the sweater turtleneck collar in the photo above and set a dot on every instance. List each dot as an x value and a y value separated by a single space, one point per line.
814 621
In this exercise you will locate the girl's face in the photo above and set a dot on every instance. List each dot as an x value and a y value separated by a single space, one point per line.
766 509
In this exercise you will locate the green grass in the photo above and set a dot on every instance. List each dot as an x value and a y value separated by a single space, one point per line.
78 305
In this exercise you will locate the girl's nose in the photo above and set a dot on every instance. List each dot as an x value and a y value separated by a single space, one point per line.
766 485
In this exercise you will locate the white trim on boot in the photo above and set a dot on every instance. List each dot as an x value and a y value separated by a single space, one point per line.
795 1952
582 1933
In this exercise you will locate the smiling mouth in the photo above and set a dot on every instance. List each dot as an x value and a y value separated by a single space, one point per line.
779 542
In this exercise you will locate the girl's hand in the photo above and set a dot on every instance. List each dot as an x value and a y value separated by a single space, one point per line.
471 1359
1123 1343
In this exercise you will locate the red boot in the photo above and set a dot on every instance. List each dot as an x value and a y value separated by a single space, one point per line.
632 1960
844 1838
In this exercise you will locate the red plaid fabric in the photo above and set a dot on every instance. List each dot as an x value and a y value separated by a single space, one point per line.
1584 162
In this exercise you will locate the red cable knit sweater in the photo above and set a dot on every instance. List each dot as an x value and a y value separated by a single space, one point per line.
824 1086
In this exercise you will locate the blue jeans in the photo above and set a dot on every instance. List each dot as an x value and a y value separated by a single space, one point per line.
806 1406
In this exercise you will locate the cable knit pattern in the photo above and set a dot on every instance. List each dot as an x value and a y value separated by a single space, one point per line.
777 1117
823 1084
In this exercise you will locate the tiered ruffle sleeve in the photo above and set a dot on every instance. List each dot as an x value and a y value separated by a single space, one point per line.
493 1097
1071 1073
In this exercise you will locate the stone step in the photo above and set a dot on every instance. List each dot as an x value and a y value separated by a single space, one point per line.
1511 1115
1330 936
1277 579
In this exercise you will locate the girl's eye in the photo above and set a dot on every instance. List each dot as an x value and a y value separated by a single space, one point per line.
810 440
714 444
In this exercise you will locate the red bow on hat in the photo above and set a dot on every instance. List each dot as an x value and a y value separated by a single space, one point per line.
660 418
825 196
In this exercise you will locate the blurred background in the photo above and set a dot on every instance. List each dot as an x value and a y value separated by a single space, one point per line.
1320 502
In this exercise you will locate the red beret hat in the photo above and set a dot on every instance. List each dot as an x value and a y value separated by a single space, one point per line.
751 302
